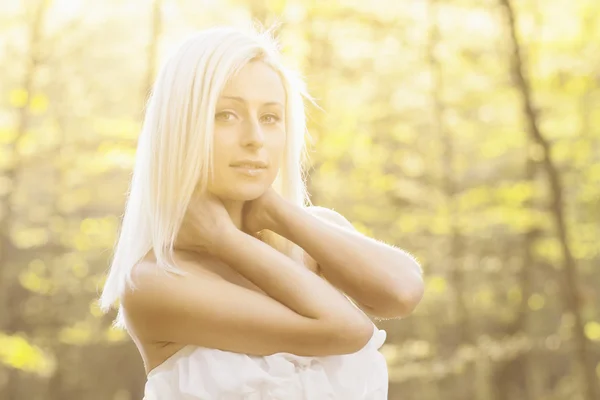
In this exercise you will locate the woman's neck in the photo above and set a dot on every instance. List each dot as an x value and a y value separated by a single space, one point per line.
234 208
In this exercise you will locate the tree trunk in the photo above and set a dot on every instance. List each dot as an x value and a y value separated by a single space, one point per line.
569 266
8 251
532 376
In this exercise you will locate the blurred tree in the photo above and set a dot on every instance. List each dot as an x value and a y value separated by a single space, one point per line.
421 142
24 100
569 267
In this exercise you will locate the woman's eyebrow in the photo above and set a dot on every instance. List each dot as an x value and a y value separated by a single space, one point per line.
241 100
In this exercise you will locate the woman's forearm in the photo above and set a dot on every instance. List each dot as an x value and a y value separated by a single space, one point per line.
384 279
288 282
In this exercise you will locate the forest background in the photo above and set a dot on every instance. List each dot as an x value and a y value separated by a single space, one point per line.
466 132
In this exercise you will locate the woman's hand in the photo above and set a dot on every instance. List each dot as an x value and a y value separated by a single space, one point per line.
261 213
205 222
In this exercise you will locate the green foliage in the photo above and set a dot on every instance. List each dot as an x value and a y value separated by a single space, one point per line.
423 143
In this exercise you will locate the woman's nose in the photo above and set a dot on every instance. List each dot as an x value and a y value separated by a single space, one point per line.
253 135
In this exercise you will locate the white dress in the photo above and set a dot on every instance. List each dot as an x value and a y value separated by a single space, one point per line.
198 373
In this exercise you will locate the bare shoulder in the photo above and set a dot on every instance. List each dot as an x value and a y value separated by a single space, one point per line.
155 292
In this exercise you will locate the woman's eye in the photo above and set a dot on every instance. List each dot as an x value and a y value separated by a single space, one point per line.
225 116
270 118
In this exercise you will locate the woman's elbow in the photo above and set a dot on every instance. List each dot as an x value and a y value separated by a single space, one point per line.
401 300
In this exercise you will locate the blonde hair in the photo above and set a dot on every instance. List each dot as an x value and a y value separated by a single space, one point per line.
174 151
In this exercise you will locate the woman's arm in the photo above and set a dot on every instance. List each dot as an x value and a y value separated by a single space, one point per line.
302 314
385 281
287 281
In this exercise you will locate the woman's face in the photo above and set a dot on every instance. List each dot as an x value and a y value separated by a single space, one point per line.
249 134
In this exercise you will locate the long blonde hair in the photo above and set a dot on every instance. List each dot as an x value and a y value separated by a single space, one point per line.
174 151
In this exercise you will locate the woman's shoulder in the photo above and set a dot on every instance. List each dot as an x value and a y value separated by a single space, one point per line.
156 295
151 282
148 270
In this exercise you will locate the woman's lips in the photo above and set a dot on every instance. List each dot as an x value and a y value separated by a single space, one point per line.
248 170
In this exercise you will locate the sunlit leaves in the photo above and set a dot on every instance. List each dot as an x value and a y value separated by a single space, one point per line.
27 144
79 333
95 309
17 352
438 367
116 155
35 282
502 144
25 237
592 331
536 301
436 285
453 191
7 135
124 128
74 199
410 350
115 335
8 158
36 278
100 230
411 164
508 196
514 295
548 249
38 104
475 198
18 97
484 298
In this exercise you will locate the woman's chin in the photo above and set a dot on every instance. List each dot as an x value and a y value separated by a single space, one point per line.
246 193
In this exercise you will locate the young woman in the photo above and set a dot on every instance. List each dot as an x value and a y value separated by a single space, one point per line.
230 285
